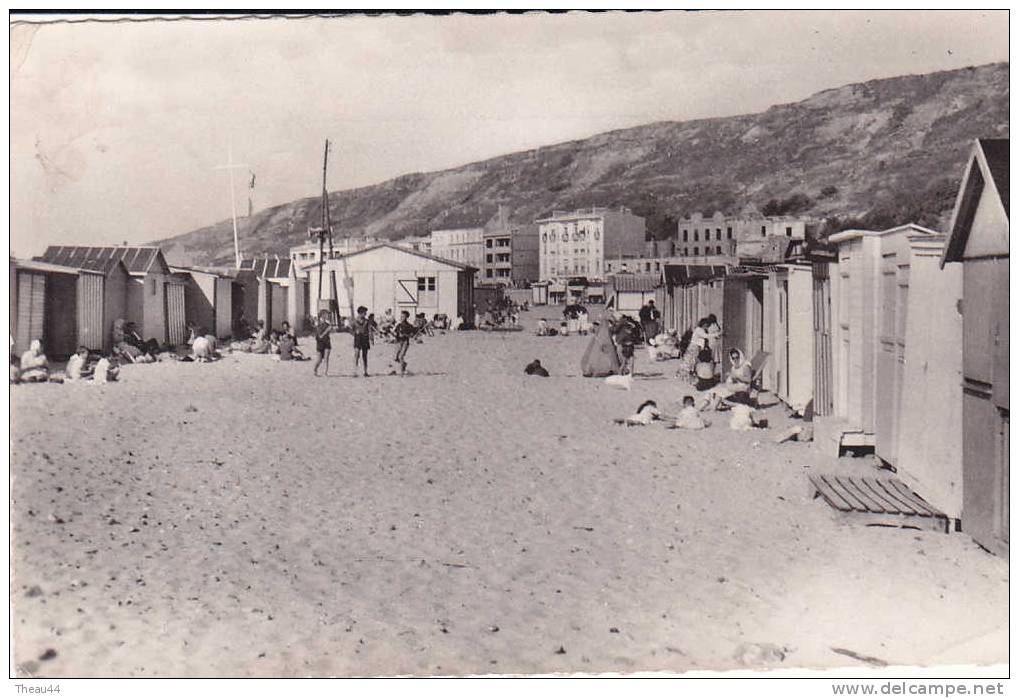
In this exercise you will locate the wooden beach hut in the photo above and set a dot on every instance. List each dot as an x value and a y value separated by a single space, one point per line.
929 421
791 365
823 260
44 302
868 306
691 291
102 299
268 283
155 300
978 242
539 293
208 299
742 318
629 292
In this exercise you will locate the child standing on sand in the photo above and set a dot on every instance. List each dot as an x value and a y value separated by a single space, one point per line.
362 329
323 344
404 332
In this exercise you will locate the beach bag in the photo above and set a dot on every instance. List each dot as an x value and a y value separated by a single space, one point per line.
600 358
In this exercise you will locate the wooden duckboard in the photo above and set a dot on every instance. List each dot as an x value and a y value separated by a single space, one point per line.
884 501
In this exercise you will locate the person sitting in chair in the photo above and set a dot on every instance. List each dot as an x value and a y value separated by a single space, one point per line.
737 385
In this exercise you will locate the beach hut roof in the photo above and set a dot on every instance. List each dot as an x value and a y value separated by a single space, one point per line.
636 282
104 266
684 274
136 259
47 267
268 267
988 161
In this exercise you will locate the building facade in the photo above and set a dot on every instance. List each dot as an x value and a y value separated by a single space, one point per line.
700 236
416 243
460 245
510 252
305 254
579 243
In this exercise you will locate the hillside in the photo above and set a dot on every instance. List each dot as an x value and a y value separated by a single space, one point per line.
876 153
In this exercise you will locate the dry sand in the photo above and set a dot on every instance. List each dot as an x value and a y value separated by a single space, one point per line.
243 518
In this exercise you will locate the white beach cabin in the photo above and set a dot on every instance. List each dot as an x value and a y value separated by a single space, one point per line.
386 276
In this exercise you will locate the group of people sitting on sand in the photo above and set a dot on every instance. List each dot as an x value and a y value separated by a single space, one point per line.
575 321
34 367
281 343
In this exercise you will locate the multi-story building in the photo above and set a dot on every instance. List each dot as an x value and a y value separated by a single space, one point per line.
416 243
510 251
578 243
308 253
698 236
461 245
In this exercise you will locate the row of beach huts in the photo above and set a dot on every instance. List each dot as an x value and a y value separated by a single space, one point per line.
895 340
71 296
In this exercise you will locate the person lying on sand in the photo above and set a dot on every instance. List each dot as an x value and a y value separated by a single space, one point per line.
645 414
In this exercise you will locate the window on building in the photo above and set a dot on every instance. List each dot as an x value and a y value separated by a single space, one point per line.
647 266
488 273
658 266
426 283
488 242
696 251
728 233
718 233
686 236
488 259
696 235
597 234
764 230
718 249
788 231
686 251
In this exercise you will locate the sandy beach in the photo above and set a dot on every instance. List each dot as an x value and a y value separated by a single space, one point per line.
243 518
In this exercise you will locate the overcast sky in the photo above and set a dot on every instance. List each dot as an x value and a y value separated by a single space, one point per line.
116 129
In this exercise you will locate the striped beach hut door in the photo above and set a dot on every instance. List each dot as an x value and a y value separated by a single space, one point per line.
90 311
31 301
176 322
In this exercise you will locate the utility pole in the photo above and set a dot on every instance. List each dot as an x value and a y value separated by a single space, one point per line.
230 166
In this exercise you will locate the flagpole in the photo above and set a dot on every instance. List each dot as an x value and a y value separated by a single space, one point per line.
230 166
233 209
